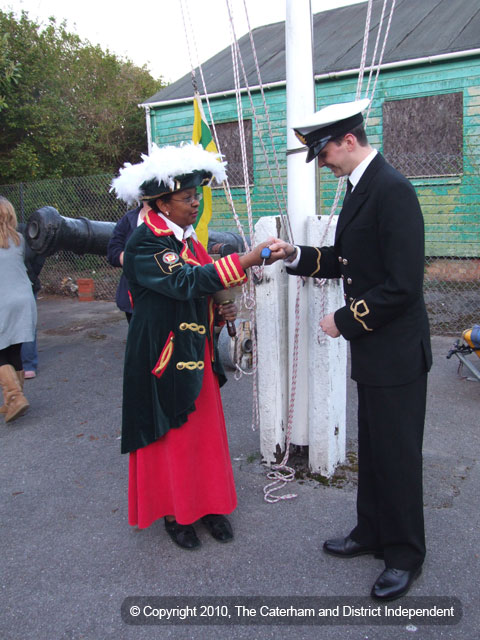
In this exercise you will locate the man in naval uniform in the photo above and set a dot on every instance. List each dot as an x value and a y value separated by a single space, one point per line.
379 255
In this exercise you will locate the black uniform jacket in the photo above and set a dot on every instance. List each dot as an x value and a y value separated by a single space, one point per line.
379 254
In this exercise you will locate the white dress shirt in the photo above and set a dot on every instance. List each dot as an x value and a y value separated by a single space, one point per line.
180 233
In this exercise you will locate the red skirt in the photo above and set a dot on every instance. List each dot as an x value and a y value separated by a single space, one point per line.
187 473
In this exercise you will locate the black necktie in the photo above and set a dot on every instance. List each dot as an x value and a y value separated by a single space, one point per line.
347 192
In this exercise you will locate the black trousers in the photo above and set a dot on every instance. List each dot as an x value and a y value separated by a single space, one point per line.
12 355
390 488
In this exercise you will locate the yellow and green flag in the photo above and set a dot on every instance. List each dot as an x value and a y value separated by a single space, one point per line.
202 135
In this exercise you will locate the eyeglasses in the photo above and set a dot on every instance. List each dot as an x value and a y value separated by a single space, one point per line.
189 199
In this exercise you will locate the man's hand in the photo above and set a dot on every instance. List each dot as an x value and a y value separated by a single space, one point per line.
281 250
329 327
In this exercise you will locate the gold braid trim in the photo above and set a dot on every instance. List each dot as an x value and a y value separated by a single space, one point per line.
165 356
191 366
188 256
193 326
156 224
360 309
318 262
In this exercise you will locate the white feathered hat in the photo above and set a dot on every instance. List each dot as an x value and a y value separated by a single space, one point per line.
167 169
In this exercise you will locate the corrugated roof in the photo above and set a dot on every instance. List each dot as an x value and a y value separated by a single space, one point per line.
419 28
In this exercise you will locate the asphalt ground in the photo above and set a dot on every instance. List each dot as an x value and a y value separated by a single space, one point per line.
69 559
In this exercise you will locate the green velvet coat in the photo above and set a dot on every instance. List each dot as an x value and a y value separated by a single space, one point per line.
173 318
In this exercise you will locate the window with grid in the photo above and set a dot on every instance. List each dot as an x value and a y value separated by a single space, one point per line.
229 140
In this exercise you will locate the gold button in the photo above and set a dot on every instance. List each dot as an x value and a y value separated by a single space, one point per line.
345 261
340 258
349 281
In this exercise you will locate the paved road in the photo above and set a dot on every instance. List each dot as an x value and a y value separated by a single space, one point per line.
69 558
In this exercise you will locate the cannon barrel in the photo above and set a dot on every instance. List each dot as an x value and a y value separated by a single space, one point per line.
48 232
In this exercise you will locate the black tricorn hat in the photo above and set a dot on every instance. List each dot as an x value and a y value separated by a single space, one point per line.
329 123
153 189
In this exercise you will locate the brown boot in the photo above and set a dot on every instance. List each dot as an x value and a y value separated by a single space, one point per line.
21 379
15 401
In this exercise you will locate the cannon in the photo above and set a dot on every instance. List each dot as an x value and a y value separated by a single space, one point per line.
48 232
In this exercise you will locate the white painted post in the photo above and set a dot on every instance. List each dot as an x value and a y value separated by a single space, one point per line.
326 367
301 182
272 348
324 364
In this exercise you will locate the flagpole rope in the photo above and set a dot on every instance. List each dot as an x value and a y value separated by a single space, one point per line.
226 184
235 49
379 31
281 474
284 216
192 66
380 60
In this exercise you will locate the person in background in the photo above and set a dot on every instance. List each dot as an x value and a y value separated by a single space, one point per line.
18 313
379 254
173 425
115 250
34 264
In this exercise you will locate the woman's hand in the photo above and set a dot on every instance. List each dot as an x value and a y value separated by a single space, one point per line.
280 250
253 258
228 311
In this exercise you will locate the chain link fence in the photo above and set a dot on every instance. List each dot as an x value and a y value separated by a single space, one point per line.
427 164
452 284
87 197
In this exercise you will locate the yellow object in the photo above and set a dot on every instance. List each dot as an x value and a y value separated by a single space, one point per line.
202 135
472 338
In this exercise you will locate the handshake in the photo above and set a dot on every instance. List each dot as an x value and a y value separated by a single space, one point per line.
277 250
281 250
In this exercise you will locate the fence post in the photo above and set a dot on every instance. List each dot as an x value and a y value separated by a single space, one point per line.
22 208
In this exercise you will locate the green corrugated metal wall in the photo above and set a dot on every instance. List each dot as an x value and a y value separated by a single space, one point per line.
451 206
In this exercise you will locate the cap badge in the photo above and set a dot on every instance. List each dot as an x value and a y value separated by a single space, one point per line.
302 139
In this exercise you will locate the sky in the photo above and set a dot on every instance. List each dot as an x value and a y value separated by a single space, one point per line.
152 33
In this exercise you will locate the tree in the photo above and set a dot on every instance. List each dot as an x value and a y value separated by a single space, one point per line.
9 71
67 108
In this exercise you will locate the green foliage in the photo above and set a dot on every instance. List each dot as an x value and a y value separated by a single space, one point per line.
9 70
67 108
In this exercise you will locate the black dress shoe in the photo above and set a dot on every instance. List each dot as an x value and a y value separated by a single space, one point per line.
219 527
394 583
348 548
182 534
